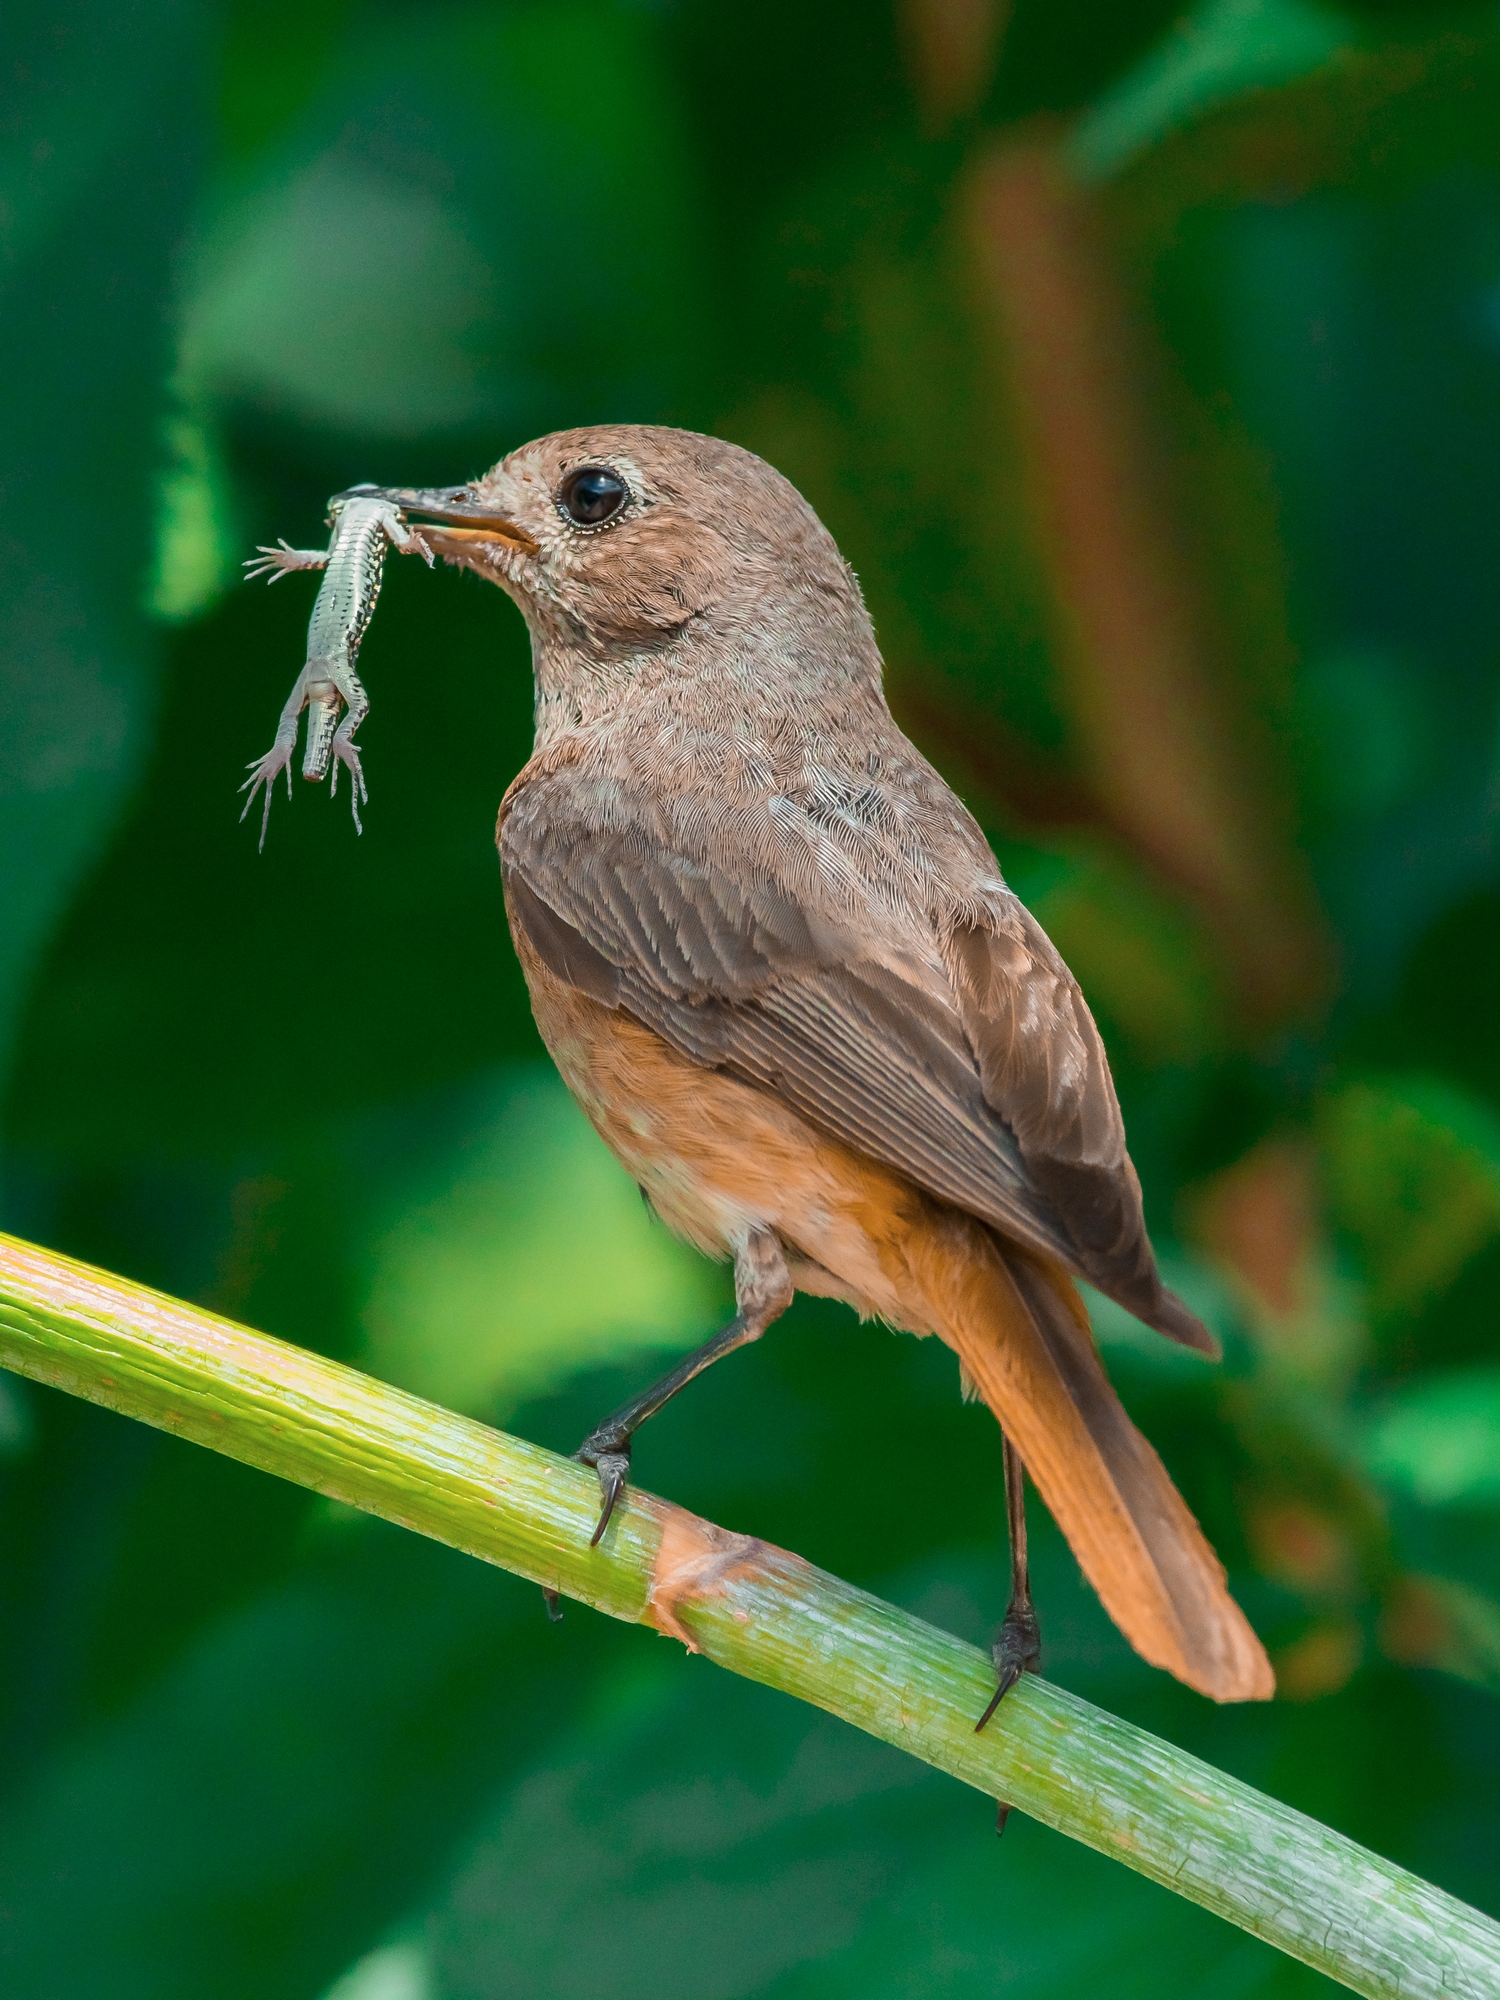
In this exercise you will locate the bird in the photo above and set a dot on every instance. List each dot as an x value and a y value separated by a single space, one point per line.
774 958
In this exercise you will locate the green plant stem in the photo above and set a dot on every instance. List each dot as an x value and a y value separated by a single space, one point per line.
754 1609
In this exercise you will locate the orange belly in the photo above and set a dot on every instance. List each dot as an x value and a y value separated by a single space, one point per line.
718 1158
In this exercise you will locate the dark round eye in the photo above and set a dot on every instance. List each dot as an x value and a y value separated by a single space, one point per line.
592 494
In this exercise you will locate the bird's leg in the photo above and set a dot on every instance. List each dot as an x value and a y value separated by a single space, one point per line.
1017 1648
1018 1644
763 1290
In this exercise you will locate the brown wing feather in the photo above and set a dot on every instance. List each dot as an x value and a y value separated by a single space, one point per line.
1043 1068
737 975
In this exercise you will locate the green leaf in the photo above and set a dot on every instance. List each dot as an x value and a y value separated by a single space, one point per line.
1439 1440
353 1716
1217 52
701 1836
198 543
483 219
351 299
102 118
1432 1621
392 1972
522 1253
17 1423
1368 732
1413 1173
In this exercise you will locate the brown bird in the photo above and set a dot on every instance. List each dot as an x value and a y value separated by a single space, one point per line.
774 959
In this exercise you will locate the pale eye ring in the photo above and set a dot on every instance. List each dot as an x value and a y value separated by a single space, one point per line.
592 495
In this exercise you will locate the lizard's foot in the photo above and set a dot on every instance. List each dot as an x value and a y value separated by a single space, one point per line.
281 561
346 752
264 771
418 545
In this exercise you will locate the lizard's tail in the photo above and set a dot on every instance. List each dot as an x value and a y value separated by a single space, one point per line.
323 703
1022 1334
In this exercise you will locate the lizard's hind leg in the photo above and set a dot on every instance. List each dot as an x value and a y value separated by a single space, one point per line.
264 771
345 750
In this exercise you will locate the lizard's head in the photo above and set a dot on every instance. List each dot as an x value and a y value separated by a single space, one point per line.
626 541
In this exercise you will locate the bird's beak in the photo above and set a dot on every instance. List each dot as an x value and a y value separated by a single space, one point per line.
463 518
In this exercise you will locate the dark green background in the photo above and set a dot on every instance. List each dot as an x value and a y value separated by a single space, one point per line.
251 1745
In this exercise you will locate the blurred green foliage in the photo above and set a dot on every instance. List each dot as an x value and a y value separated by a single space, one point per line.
1148 370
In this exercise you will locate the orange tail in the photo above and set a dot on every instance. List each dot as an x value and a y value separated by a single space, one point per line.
1022 1334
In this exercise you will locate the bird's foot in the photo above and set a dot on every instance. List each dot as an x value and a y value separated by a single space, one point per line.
1017 1650
608 1451
609 1455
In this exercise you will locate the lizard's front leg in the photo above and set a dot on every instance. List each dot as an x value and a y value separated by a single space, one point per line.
265 770
282 560
410 541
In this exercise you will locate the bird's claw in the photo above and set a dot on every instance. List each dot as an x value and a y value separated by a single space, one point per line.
610 1458
1017 1650
609 1454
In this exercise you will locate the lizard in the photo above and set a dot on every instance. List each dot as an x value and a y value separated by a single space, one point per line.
364 523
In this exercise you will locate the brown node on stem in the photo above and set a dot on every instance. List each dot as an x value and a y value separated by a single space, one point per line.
695 1560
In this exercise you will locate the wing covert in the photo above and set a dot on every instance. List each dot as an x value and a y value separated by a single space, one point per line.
739 977
1043 1068
987 1084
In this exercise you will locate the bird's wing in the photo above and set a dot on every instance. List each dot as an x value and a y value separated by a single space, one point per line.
938 1076
1043 1069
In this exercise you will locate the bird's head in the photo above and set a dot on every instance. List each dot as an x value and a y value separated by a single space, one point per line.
635 551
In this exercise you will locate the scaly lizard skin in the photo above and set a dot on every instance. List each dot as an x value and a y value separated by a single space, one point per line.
353 561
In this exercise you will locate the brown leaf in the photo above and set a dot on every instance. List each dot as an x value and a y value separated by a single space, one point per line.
1174 758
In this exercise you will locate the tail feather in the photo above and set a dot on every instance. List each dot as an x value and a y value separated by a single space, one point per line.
1022 1336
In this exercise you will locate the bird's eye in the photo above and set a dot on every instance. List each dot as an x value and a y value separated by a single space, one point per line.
592 494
